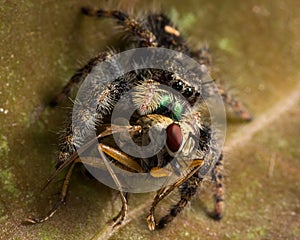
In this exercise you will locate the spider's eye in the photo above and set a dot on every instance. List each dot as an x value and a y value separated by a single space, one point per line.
188 92
174 137
178 85
169 76
197 94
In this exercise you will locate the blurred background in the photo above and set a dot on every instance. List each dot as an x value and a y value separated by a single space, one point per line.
256 54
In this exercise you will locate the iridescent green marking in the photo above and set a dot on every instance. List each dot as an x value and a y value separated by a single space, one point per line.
178 108
165 101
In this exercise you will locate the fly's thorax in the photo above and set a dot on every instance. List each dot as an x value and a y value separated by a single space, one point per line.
153 127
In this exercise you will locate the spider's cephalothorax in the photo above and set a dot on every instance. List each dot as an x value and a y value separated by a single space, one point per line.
157 110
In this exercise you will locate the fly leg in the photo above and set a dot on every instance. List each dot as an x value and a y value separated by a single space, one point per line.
165 191
60 201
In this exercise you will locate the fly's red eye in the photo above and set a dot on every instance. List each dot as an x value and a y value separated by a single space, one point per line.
174 137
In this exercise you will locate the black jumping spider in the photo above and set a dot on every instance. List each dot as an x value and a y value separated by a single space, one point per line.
155 31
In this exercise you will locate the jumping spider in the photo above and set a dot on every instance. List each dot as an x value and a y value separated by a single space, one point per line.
155 31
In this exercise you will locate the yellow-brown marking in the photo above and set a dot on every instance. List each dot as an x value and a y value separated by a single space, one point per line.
172 30
158 172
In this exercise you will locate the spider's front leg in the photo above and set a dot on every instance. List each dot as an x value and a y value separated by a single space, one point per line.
147 38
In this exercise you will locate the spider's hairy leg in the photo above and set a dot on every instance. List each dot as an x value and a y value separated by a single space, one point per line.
230 101
78 78
67 147
219 194
204 56
147 38
187 191
236 106
60 201
165 191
